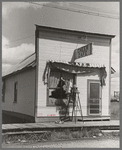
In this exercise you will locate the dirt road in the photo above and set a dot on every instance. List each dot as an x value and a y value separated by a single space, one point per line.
84 143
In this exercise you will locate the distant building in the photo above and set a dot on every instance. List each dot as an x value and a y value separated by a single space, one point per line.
31 89
117 95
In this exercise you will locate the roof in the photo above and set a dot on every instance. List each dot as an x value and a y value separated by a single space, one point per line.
30 61
27 62
73 31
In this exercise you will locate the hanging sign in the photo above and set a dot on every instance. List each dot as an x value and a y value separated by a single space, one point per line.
82 52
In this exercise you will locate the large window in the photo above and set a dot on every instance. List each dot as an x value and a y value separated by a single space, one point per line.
56 88
15 91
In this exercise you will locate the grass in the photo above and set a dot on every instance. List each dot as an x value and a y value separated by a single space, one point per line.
64 134
115 110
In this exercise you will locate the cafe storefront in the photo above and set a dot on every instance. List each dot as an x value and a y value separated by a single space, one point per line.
65 54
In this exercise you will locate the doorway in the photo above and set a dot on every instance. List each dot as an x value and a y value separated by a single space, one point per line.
94 97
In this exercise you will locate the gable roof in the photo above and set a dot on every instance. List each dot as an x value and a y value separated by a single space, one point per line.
27 62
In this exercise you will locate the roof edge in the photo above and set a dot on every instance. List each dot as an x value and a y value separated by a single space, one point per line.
73 31
18 71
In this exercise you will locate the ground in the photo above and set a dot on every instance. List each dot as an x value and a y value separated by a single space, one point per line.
82 143
93 141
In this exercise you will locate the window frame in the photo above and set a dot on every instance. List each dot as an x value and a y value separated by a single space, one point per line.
88 99
48 88
3 91
15 91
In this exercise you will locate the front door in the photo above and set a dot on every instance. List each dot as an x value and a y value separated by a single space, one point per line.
94 97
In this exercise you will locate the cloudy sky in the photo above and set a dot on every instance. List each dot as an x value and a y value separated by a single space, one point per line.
19 19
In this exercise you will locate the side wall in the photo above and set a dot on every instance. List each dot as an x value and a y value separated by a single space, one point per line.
25 94
55 46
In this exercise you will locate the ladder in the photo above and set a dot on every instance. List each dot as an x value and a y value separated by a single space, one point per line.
77 106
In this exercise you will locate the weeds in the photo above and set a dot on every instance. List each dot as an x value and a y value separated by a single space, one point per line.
70 134
64 134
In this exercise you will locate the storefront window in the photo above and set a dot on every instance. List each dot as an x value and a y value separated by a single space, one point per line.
56 87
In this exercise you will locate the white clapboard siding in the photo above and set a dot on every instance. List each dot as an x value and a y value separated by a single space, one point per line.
100 56
50 50
82 88
59 50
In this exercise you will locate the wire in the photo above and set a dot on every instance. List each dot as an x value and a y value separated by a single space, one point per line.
22 38
78 11
85 12
93 9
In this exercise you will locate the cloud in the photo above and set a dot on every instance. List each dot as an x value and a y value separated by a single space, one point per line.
12 56
7 7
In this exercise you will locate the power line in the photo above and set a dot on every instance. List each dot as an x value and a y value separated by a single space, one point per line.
22 38
93 9
77 11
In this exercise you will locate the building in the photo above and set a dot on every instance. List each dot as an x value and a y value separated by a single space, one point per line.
31 89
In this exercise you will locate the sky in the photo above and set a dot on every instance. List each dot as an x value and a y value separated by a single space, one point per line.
19 19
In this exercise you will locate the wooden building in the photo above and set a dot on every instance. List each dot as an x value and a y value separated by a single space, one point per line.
31 88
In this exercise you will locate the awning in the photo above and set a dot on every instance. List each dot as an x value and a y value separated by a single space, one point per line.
75 68
31 62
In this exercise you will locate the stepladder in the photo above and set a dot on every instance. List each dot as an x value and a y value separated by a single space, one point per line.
76 106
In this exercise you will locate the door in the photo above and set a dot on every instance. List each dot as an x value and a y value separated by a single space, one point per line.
94 97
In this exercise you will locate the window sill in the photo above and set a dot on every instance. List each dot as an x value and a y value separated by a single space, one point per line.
50 105
70 104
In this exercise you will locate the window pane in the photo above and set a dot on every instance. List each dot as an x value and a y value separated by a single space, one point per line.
94 106
52 101
3 90
57 88
94 90
54 79
94 101
15 91
94 111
